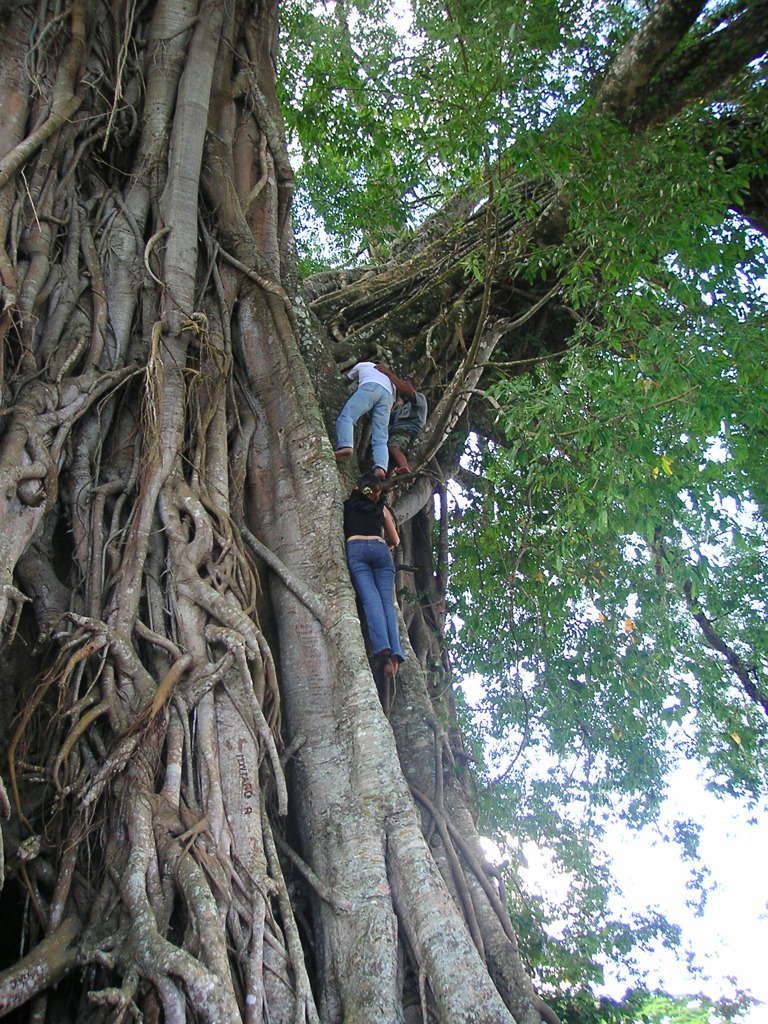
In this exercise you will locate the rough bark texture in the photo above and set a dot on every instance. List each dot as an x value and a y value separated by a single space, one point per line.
207 815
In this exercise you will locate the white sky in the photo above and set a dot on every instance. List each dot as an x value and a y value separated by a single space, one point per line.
730 939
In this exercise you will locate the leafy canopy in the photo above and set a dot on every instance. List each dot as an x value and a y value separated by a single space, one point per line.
390 107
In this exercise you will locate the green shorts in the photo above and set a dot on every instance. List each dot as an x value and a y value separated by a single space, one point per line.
401 440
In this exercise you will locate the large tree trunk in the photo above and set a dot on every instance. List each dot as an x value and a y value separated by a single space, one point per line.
207 816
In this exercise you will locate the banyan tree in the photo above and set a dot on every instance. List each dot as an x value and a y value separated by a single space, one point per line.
210 811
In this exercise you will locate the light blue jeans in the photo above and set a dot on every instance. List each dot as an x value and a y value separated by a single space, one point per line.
371 398
373 577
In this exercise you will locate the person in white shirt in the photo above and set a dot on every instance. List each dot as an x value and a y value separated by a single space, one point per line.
376 389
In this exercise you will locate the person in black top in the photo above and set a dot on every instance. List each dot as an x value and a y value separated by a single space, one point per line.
370 531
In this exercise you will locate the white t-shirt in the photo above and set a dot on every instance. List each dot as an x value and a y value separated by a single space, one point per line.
366 373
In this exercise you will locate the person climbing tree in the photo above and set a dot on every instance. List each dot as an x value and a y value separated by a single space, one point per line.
377 387
404 426
370 532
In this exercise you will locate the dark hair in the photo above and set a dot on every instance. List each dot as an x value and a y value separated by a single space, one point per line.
369 482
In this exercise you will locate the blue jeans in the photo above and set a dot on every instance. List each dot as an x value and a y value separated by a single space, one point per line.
373 577
368 398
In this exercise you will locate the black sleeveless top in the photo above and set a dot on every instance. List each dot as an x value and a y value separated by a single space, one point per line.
363 517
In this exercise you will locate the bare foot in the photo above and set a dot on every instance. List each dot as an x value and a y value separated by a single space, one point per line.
342 453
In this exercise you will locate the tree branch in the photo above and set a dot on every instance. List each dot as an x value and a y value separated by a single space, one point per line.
644 55
706 65
745 673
